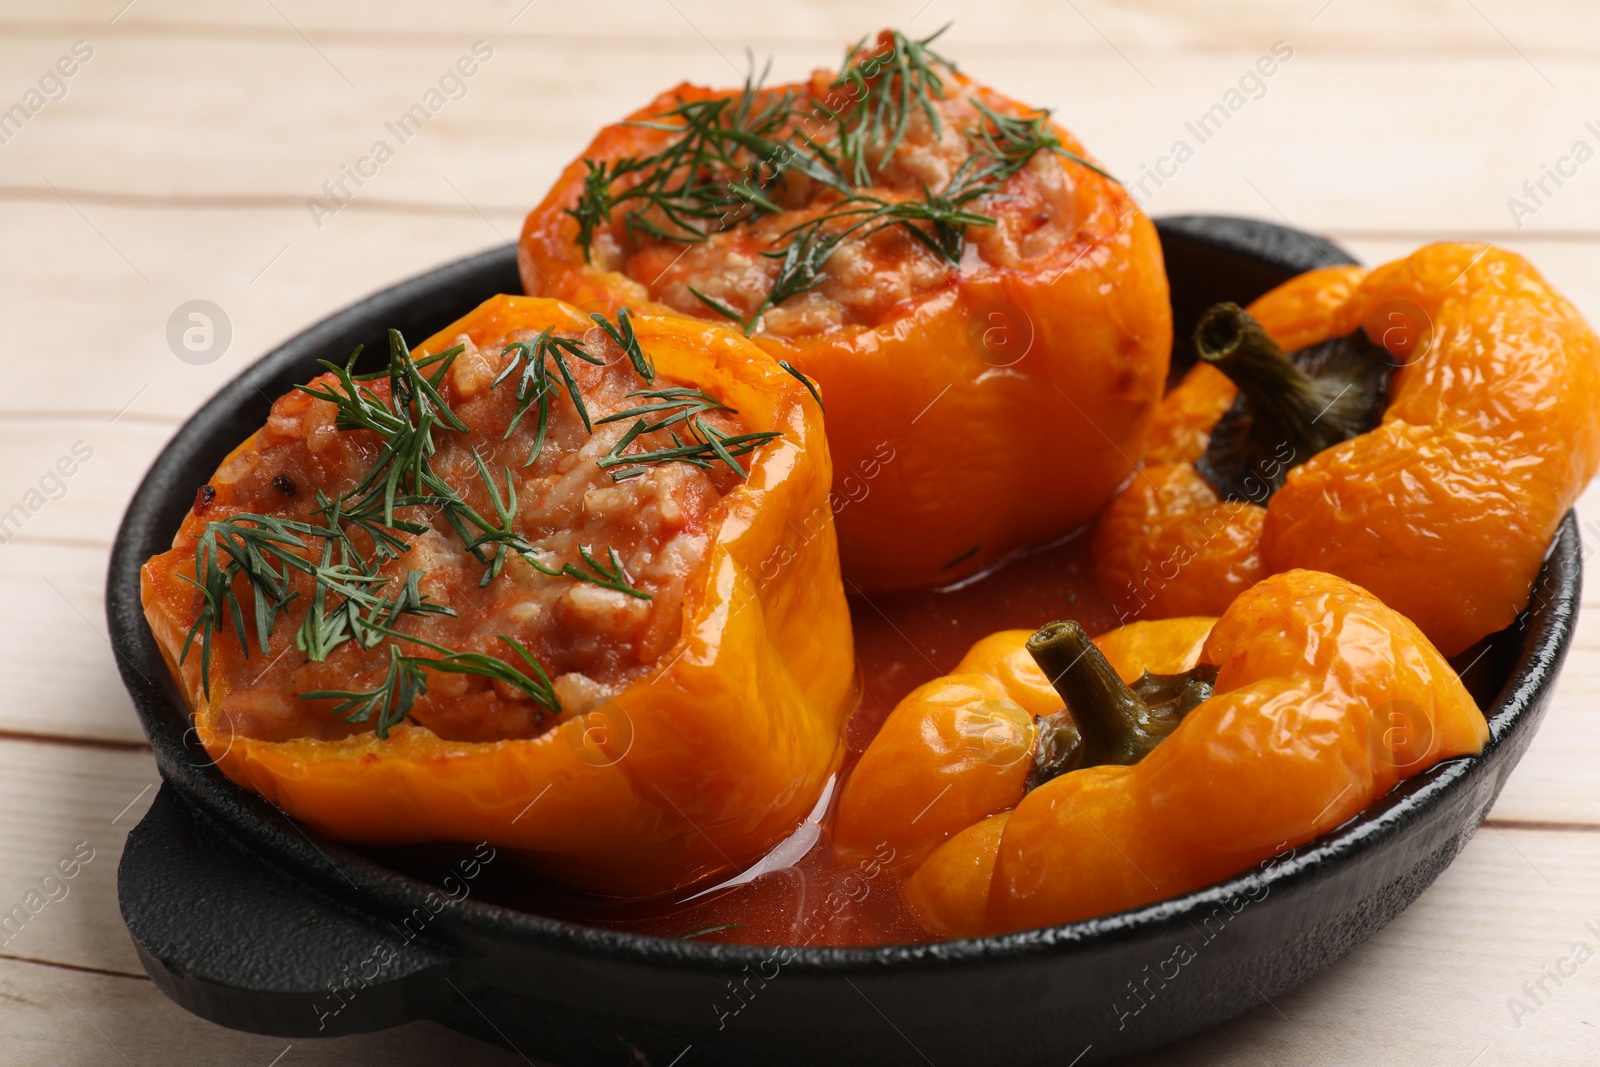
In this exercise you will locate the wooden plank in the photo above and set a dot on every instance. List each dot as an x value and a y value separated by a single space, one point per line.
58 1016
1370 126
270 277
57 666
68 803
1367 25
1556 780
67 479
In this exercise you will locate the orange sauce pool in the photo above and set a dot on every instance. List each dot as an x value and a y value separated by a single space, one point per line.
802 893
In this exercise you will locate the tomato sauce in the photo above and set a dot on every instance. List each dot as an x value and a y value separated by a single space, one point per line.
803 893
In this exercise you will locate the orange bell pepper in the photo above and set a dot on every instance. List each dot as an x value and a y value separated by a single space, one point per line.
1442 506
1193 748
717 748
1049 334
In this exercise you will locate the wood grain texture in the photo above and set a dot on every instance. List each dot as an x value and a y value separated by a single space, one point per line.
178 166
75 1018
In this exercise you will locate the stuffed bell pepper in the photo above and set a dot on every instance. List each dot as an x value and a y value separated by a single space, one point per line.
1051 778
1420 430
964 285
564 584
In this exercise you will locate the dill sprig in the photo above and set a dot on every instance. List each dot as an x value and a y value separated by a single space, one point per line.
622 333
707 446
937 221
890 85
535 386
729 154
266 550
1012 142
349 599
724 159
388 703
405 421
674 405
683 407
613 577
403 473
811 386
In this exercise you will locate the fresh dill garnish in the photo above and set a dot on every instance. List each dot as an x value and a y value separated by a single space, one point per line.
613 577
403 473
707 446
1012 142
717 170
388 703
724 310
679 406
674 405
728 156
811 386
890 85
266 550
938 222
405 422
350 599
944 213
535 385
622 333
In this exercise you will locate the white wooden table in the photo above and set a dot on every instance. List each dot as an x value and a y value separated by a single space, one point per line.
178 164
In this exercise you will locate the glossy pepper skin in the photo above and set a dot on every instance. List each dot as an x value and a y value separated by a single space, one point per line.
1443 510
960 747
700 767
932 413
1324 699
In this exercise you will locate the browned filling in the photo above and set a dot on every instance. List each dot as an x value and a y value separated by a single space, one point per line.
729 265
637 532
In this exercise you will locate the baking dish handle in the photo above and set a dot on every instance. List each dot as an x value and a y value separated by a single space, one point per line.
243 944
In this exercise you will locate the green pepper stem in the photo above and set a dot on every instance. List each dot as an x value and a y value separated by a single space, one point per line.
1288 399
1115 724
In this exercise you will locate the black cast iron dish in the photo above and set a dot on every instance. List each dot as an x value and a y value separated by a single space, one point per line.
245 919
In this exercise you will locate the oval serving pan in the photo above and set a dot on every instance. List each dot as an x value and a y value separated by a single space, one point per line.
249 920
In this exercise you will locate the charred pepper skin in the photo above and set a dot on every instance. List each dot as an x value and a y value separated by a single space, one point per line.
959 422
1443 510
700 767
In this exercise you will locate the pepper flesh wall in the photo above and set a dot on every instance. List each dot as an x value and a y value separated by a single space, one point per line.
970 333
692 699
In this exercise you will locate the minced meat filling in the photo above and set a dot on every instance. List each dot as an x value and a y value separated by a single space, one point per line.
865 279
592 640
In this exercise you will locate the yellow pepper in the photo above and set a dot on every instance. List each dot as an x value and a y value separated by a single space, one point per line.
1193 748
698 767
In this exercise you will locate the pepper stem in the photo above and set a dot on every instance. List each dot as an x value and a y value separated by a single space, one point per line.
1115 724
1288 400
1289 407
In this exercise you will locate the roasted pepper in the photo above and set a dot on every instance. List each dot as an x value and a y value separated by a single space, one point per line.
1434 422
1166 756
635 678
965 286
